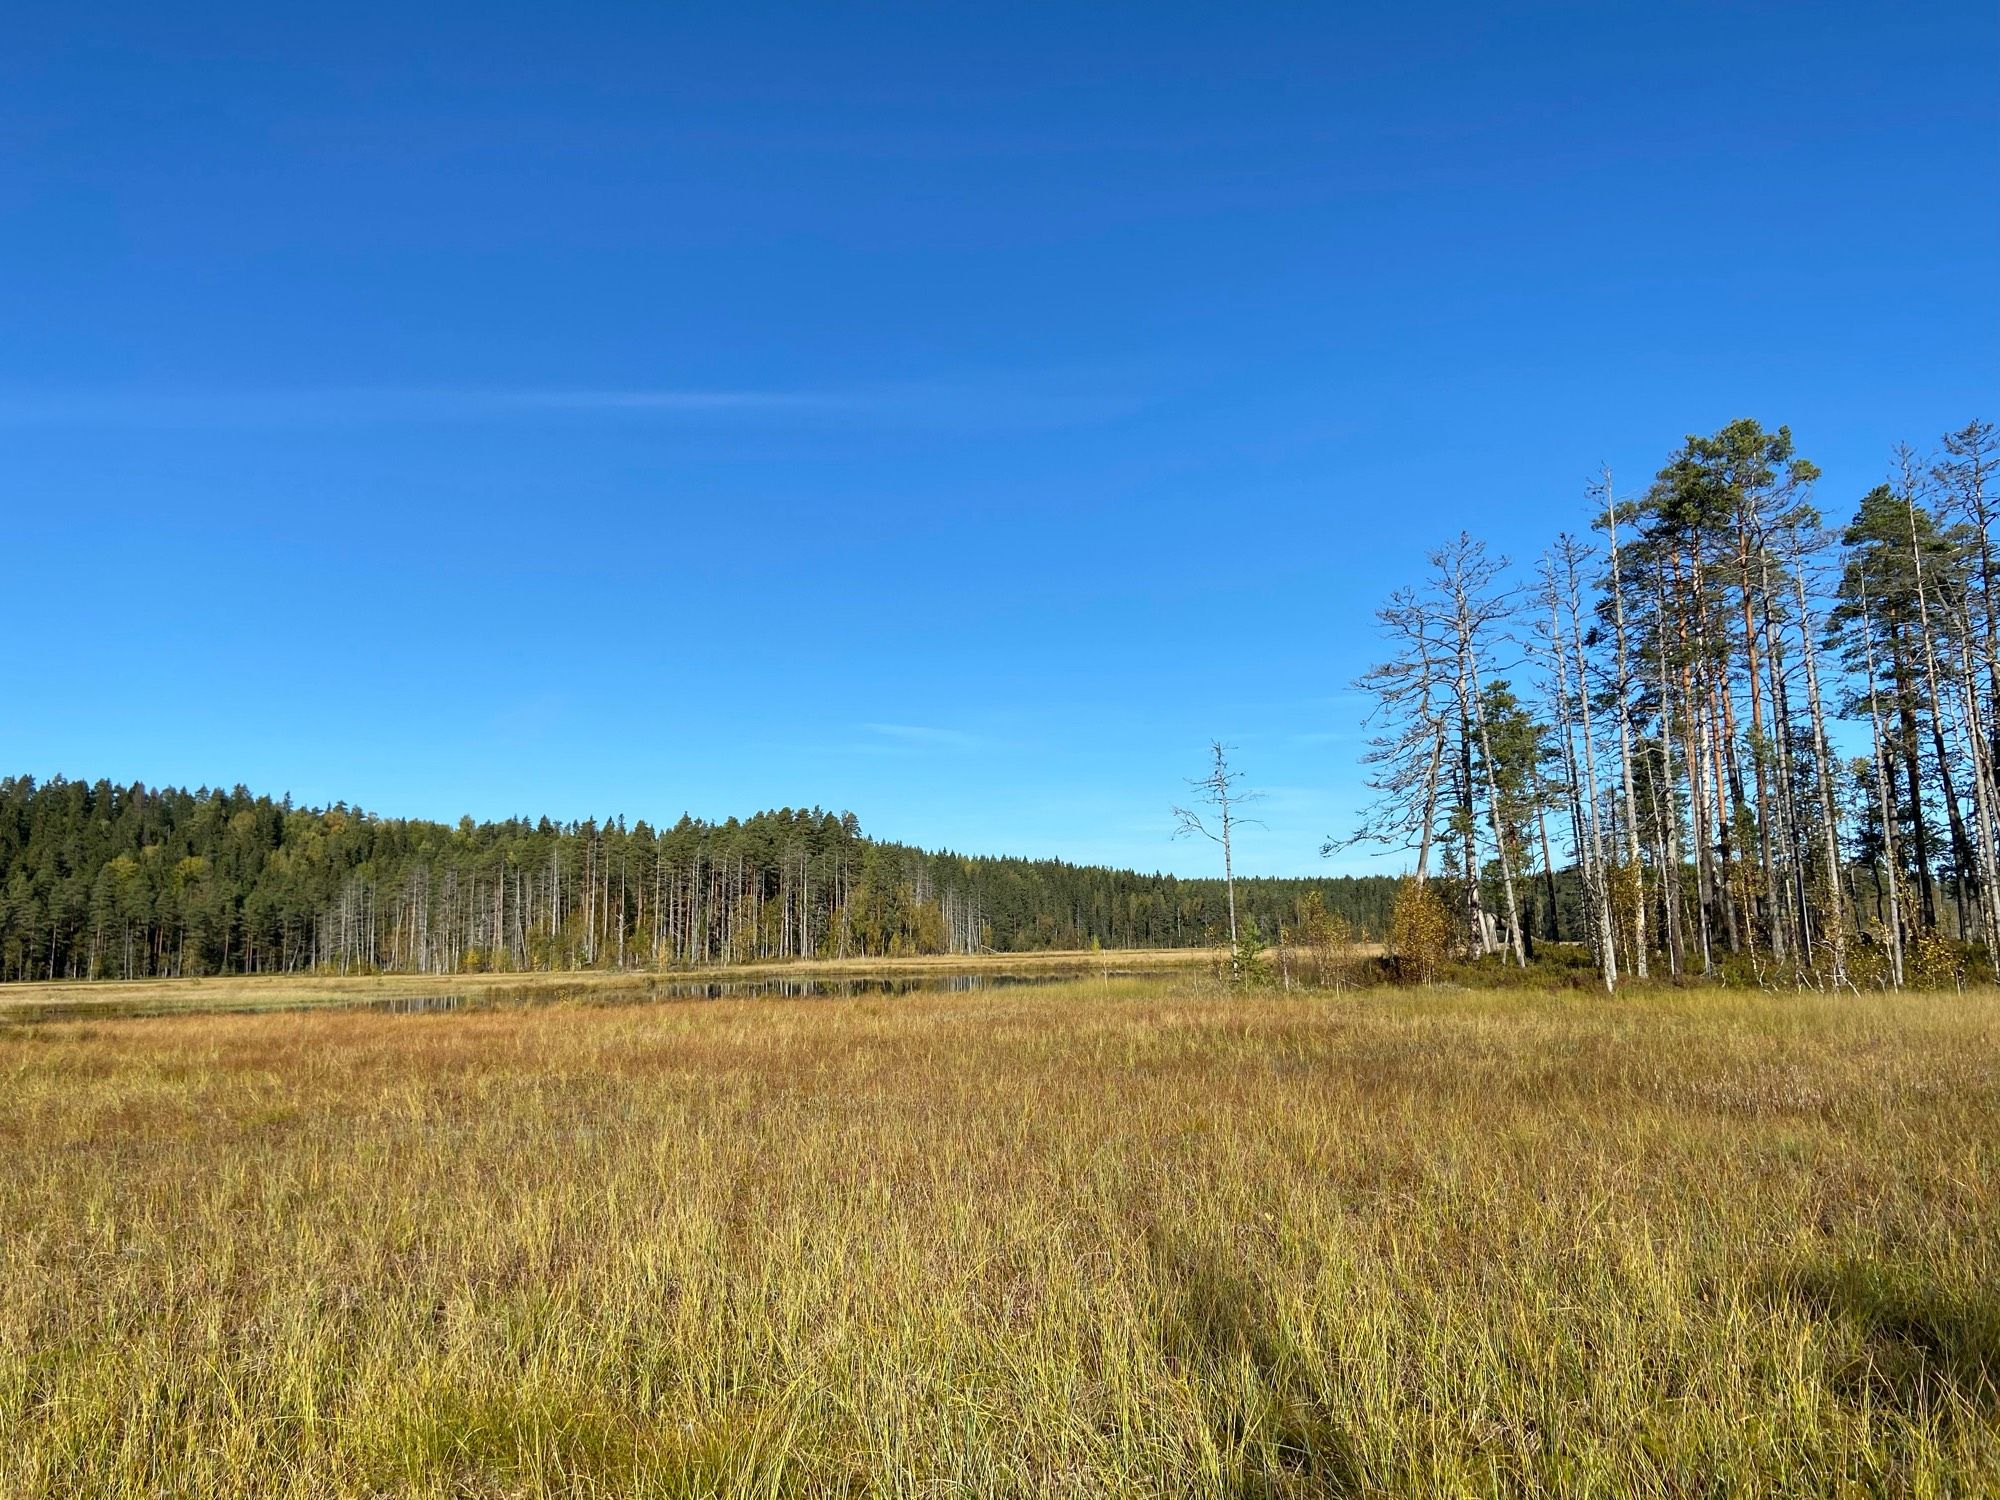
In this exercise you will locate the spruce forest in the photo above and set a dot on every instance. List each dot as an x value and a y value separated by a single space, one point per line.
99 881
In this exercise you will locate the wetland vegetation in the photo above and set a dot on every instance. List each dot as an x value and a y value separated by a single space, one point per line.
1097 1237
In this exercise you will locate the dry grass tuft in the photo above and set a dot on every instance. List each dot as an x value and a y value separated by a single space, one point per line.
1116 1238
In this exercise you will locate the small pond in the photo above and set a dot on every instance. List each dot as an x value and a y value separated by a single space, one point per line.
641 990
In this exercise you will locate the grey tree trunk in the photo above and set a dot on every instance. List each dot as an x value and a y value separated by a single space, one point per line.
1836 917
1625 738
1887 802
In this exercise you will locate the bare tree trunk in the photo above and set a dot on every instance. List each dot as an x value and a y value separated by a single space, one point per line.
1430 805
1553 928
1836 918
1984 799
1625 737
1515 937
1607 932
1219 790
1694 730
1759 745
1888 807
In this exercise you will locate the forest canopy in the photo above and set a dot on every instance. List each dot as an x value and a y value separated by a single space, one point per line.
104 881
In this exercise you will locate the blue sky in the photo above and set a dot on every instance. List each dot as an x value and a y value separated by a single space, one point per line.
959 415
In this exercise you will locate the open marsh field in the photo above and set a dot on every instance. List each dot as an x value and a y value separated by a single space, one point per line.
34 999
1100 1237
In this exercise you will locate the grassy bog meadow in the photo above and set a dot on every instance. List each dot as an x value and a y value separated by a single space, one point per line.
999 752
1104 1236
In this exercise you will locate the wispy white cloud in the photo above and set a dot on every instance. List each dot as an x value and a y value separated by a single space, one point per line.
925 736
1026 402
384 404
673 400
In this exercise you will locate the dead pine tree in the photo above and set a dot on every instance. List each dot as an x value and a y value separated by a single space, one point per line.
1410 714
1567 655
1621 691
1221 790
1465 581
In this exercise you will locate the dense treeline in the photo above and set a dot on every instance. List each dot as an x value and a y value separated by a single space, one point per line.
115 882
1670 717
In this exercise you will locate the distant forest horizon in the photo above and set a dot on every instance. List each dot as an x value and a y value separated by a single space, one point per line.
99 880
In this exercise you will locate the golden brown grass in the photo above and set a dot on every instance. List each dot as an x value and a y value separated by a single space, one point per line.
291 991
1117 1238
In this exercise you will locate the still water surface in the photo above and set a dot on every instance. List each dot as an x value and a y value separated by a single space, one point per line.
641 991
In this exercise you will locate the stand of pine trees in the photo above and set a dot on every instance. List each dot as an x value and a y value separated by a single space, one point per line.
100 881
1722 738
